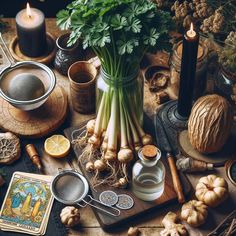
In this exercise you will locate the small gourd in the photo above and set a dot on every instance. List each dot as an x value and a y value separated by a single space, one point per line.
210 123
194 213
70 216
212 190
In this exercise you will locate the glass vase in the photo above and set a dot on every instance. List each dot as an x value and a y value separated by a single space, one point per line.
129 91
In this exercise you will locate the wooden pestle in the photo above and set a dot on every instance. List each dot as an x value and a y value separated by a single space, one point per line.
175 178
34 156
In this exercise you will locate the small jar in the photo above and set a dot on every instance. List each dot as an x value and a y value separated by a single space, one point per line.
225 85
201 69
148 174
66 56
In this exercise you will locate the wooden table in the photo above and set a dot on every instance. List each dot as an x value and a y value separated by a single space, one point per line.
149 224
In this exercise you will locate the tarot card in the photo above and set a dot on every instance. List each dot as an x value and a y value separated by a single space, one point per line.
27 204
43 229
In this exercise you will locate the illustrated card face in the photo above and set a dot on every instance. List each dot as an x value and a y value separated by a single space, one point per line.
27 204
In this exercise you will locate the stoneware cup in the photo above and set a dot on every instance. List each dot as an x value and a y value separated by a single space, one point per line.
66 56
82 76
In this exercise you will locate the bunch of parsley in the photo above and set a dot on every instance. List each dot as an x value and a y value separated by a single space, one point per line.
119 31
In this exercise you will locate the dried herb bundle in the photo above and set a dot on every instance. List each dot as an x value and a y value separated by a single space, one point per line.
227 56
214 17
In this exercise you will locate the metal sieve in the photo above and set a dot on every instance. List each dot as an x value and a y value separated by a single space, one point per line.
69 187
42 71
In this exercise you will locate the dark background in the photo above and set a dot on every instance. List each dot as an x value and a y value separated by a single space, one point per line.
9 8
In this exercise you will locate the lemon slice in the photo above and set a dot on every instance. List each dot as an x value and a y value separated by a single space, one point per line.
57 146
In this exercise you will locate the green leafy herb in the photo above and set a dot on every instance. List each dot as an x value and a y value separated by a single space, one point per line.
119 31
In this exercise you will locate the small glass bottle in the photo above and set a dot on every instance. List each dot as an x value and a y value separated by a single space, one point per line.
148 175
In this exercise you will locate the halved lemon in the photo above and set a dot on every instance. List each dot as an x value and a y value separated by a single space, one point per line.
57 146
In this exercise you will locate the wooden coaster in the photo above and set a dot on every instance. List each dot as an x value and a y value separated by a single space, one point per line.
36 123
46 58
228 151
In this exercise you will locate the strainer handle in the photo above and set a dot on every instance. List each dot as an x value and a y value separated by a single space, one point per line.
100 208
6 51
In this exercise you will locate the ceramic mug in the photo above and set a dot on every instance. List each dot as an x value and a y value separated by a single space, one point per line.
82 76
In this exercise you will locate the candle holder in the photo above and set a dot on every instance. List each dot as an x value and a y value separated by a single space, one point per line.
172 121
168 113
188 79
47 57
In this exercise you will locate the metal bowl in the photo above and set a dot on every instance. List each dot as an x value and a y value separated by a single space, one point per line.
44 73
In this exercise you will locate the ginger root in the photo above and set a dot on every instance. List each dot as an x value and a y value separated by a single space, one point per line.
133 231
171 227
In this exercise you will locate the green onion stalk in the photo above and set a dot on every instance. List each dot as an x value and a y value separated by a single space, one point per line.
120 32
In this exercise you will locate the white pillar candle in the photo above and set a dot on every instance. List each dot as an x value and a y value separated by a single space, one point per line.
31 31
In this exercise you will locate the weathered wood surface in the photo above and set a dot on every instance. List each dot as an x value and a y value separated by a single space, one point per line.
140 207
37 123
148 224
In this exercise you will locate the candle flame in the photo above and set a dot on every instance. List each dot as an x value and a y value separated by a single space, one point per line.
191 27
28 10
191 32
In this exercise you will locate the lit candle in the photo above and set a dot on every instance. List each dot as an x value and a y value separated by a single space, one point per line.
31 31
188 71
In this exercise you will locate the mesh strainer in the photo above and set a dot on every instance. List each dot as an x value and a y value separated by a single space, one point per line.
8 73
69 187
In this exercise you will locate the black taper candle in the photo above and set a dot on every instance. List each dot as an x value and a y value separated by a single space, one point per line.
188 71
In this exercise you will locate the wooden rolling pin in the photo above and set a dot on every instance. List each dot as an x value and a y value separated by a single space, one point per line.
175 178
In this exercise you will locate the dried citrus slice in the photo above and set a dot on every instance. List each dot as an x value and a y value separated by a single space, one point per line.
57 146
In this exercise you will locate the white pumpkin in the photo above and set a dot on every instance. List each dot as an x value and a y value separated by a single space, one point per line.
194 213
212 190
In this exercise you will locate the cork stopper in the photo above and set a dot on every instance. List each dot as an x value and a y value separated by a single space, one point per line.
149 152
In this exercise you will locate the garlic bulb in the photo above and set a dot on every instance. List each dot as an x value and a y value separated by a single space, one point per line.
70 216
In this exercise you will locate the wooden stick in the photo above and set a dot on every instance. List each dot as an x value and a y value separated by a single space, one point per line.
175 178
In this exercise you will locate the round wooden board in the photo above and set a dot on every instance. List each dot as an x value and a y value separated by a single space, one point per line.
36 123
46 58
228 151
